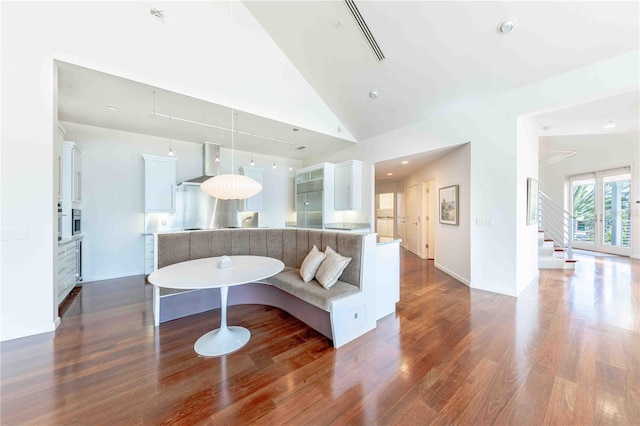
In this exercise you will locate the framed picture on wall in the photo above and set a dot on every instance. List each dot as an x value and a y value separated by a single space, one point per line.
449 205
532 201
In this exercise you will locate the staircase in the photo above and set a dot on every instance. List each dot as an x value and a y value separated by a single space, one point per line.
555 235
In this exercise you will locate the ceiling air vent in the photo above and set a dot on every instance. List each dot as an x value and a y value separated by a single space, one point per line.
351 5
301 147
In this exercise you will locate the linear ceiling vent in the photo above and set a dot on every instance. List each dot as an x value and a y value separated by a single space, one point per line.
351 5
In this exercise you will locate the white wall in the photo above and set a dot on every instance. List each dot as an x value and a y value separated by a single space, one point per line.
452 253
113 193
594 153
527 235
491 128
170 56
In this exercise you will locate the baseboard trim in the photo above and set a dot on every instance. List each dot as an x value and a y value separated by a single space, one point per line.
26 332
91 279
463 280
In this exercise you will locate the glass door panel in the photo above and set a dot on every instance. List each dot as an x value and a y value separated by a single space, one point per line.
617 211
602 209
584 210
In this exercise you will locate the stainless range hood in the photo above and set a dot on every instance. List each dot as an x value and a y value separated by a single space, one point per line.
197 210
210 167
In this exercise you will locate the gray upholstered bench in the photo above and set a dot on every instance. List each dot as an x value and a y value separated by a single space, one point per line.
341 313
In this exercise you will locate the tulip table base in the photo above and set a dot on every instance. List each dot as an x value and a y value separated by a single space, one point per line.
203 273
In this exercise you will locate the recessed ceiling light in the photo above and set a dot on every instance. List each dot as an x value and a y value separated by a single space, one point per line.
404 162
546 127
389 174
373 94
609 125
506 26
112 108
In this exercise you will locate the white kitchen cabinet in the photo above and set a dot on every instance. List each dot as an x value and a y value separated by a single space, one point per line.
348 185
58 149
384 226
76 182
68 267
70 184
149 259
159 184
71 174
253 204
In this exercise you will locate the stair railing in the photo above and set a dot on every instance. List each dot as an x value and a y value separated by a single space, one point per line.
557 223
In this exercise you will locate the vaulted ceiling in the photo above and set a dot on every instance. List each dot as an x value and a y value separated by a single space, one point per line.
438 54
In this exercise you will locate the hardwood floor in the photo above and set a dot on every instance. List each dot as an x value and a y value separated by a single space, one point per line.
566 352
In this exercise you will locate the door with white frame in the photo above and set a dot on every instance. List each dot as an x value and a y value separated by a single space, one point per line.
413 219
401 218
429 215
601 204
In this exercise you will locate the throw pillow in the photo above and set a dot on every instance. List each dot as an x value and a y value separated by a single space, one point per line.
331 268
311 263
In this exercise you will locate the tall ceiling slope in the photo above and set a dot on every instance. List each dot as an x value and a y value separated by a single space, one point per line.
212 51
439 54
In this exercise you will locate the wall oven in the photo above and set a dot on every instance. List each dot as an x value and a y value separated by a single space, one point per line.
75 222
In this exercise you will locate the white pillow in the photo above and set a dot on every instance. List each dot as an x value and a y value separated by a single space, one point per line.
311 263
331 268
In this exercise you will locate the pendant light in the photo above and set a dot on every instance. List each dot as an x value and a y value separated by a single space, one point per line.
231 186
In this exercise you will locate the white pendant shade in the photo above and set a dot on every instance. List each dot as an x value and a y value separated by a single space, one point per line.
231 187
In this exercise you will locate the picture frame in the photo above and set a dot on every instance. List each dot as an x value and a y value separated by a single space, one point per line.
532 201
448 202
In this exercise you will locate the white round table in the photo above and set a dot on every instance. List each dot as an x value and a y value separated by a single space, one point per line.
204 273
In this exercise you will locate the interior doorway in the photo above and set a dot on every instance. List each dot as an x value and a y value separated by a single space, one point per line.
385 216
601 204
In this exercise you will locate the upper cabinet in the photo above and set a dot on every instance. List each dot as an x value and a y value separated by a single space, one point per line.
348 185
71 188
76 182
159 184
253 204
58 149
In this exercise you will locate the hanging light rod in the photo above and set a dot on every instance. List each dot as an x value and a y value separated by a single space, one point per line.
186 120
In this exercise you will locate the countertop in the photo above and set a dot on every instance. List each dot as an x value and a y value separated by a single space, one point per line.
69 239
164 231
337 226
348 226
382 243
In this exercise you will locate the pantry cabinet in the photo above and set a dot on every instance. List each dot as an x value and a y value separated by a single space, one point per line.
348 185
159 184
253 204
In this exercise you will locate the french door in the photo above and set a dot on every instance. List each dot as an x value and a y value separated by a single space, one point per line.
601 204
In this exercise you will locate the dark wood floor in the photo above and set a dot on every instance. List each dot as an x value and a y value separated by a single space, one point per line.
565 352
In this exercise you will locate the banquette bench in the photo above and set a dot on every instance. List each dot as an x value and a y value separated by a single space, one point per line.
341 313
